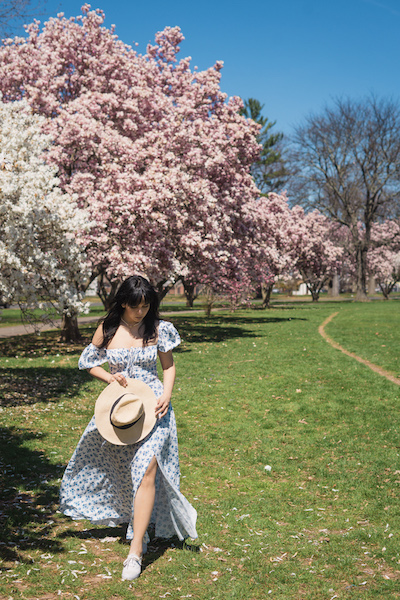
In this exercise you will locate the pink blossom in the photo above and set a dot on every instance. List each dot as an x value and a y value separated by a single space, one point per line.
155 152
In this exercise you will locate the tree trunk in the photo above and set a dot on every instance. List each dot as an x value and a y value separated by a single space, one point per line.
107 291
189 300
386 289
314 290
335 286
163 290
371 285
70 329
361 280
266 294
190 293
210 301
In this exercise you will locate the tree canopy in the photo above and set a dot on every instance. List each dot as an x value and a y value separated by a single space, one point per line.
154 151
40 261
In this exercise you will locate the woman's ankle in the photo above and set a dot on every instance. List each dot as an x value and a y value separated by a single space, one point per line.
136 549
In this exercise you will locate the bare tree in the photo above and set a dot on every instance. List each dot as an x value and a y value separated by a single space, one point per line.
347 164
14 13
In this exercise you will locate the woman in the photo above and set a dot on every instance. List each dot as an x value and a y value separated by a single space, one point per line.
136 483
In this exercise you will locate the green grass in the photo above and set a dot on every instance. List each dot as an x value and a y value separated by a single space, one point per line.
371 331
254 388
12 316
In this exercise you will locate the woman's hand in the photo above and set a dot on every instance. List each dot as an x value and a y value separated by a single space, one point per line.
162 406
120 377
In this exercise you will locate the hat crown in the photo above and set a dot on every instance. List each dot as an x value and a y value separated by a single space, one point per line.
126 410
125 415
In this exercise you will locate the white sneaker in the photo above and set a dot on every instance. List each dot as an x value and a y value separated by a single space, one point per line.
132 567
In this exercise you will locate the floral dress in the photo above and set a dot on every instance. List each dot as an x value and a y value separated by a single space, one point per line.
101 479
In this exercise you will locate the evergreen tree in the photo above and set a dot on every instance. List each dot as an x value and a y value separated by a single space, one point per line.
269 171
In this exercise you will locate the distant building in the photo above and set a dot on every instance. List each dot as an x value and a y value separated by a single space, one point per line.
302 291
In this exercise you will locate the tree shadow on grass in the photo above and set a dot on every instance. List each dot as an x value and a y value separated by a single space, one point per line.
27 500
299 305
158 546
25 386
46 344
221 328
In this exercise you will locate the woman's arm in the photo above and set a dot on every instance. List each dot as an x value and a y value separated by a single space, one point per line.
168 367
104 375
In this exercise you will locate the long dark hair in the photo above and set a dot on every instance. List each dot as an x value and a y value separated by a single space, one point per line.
131 292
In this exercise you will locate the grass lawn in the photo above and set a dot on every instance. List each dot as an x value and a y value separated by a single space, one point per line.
254 388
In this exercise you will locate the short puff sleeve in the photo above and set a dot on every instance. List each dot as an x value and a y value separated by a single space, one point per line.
168 337
92 356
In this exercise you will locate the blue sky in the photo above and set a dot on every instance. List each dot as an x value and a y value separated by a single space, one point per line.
294 56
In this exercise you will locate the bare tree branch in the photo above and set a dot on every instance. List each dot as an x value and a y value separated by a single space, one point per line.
14 13
346 163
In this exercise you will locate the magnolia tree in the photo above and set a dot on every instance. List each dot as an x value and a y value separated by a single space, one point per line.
384 258
261 254
41 264
203 182
230 281
317 257
384 265
270 252
152 149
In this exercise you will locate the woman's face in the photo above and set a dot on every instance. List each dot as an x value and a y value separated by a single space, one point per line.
136 314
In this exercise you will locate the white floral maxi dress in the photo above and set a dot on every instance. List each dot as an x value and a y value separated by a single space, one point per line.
101 479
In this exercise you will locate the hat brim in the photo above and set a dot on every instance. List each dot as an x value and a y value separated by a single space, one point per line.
139 430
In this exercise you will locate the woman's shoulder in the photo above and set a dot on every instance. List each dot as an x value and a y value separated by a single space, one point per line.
92 356
168 337
165 327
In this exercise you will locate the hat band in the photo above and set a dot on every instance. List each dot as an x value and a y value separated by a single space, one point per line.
121 426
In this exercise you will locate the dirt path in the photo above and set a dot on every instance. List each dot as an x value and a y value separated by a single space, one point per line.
6 332
379 370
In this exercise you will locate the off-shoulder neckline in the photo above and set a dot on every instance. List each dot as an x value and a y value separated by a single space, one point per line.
134 347
138 347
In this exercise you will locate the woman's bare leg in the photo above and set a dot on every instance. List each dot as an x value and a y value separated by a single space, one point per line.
143 507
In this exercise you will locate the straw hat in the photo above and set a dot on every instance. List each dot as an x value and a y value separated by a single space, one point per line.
125 415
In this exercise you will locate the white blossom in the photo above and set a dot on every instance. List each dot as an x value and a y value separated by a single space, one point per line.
40 259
